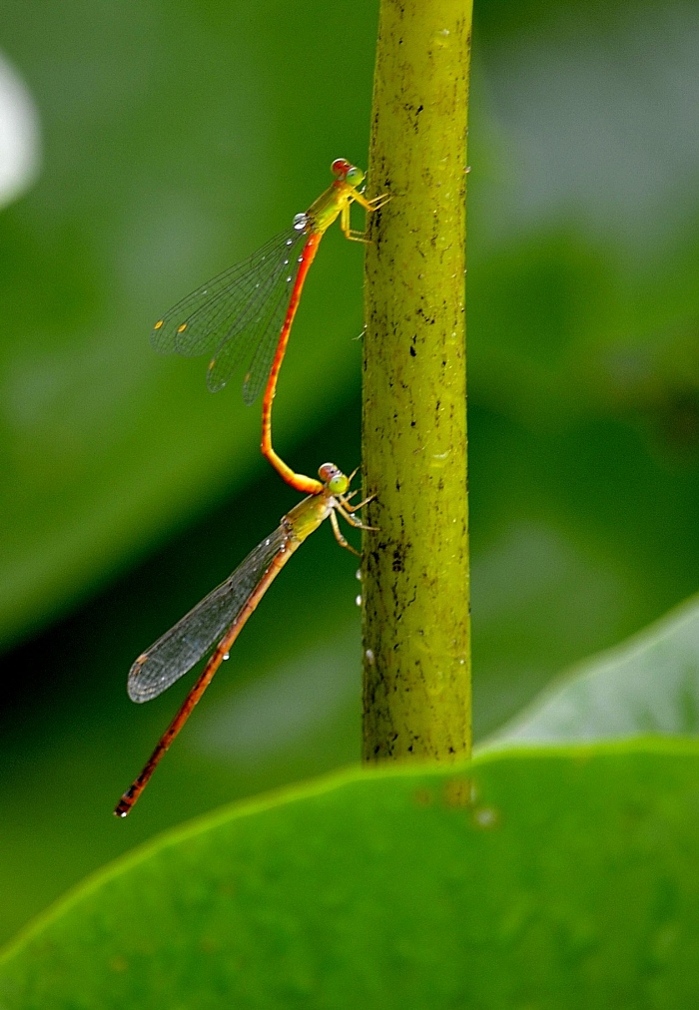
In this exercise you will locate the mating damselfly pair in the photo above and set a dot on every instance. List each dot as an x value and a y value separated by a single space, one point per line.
243 317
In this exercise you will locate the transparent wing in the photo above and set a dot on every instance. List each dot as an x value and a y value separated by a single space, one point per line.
264 351
183 645
231 313
259 348
262 328
264 347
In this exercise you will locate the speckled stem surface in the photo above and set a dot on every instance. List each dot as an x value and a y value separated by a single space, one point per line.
416 629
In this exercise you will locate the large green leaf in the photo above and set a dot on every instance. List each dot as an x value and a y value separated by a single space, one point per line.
563 878
647 685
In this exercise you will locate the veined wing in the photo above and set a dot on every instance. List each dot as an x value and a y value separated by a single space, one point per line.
229 307
259 347
197 632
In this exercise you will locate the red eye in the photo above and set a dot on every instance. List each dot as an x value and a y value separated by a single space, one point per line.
340 167
327 471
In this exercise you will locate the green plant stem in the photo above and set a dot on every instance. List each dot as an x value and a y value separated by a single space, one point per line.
417 686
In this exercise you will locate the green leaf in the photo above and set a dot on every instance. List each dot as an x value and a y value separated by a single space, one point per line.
649 684
566 877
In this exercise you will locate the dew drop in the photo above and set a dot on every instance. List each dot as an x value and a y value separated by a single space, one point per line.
290 240
370 657
485 817
358 575
358 600
226 655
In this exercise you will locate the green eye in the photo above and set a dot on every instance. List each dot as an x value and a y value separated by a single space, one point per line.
335 480
338 484
355 176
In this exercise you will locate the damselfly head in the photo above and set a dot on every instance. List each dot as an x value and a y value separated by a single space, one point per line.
340 167
355 177
334 479
347 172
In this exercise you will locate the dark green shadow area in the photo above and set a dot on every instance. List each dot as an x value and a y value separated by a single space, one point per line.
285 707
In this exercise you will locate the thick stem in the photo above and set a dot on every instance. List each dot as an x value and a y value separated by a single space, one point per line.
417 685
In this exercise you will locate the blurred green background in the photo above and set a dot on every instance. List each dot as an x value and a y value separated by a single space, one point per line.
171 140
